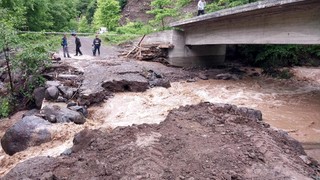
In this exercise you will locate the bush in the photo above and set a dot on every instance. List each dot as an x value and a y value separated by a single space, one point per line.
128 32
275 56
122 3
4 107
134 28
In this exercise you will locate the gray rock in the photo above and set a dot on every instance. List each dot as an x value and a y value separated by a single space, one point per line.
72 103
250 113
38 95
160 83
29 131
30 113
61 99
203 76
51 118
67 92
191 80
51 93
305 159
227 76
83 110
63 114
52 83
126 83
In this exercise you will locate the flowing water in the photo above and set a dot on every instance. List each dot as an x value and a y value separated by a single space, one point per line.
291 105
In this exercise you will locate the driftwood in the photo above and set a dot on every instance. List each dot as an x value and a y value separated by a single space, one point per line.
149 51
136 46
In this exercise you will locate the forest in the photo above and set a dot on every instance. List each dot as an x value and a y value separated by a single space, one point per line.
87 15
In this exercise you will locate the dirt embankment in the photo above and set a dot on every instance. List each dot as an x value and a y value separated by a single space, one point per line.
215 141
136 10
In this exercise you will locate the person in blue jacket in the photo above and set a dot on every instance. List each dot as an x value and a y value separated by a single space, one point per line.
96 45
64 45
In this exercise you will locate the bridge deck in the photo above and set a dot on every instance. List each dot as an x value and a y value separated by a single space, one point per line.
260 7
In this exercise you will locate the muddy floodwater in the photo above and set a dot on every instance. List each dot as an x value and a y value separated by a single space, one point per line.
290 105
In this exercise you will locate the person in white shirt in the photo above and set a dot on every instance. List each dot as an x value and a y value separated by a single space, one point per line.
201 5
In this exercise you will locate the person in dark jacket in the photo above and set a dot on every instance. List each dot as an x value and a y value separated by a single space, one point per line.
78 45
64 45
96 45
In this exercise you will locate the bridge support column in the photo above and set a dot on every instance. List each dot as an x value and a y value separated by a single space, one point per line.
194 55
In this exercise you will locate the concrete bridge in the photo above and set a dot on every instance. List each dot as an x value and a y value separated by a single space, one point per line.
202 40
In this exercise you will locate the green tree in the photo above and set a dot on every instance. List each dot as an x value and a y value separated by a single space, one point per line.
122 3
82 6
63 14
83 25
92 7
162 9
7 40
13 12
107 14
37 15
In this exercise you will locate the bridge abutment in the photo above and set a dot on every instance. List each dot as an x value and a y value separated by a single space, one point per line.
194 55
183 55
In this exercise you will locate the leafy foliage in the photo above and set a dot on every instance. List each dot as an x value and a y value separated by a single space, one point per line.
122 3
13 12
37 15
138 28
107 14
86 8
162 9
128 32
223 4
4 107
32 58
274 56
83 25
182 3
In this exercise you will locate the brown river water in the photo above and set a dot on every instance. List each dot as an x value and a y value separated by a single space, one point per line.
290 105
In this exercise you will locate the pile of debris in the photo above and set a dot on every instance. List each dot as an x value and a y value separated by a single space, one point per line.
148 51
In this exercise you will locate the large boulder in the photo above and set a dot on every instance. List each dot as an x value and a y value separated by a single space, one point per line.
129 82
62 115
67 92
29 131
38 95
52 93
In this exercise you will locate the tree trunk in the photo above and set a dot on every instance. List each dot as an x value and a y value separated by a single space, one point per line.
162 24
7 57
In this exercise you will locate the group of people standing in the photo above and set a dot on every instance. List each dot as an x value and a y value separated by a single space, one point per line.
95 46
97 41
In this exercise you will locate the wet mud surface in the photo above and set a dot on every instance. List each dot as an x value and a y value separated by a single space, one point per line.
215 141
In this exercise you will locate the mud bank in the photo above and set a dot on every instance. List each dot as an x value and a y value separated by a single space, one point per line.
217 141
